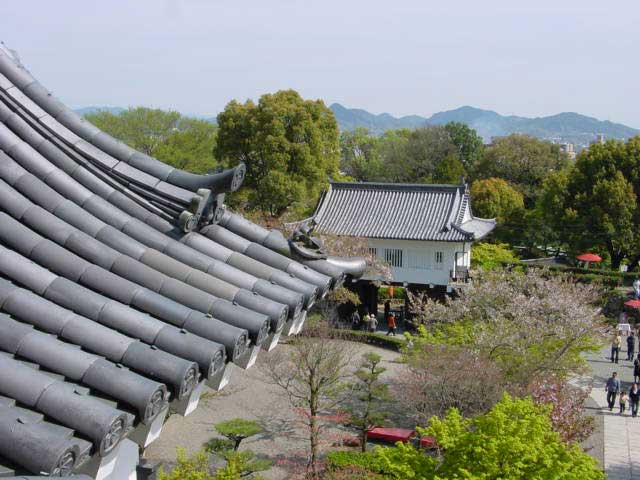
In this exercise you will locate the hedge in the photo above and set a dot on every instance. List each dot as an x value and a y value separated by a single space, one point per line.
611 278
391 343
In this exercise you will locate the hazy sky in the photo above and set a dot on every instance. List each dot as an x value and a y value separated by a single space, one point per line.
531 58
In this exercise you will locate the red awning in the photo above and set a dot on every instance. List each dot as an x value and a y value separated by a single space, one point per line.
390 434
633 303
589 257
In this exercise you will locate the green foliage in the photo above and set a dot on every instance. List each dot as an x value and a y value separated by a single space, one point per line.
370 338
360 155
237 429
469 144
290 147
598 196
514 441
195 468
449 170
491 256
182 142
370 393
523 161
496 198
343 459
383 293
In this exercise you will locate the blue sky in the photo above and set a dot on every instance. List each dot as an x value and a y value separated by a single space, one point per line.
403 57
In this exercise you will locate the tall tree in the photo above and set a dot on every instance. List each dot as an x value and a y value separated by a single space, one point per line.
523 161
290 146
360 158
595 204
469 143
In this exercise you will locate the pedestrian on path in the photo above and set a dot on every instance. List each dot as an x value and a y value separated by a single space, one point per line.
634 399
392 325
631 346
636 369
373 324
355 320
612 388
624 398
615 347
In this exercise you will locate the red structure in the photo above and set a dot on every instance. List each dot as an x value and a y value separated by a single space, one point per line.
390 434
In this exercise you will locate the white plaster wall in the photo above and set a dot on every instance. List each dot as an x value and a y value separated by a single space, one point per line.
429 273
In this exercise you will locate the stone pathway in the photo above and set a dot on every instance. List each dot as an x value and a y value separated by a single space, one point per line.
621 432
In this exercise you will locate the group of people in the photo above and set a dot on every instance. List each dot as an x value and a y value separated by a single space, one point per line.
616 343
613 386
369 323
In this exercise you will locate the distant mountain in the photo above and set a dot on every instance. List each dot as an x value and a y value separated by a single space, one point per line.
88 110
563 127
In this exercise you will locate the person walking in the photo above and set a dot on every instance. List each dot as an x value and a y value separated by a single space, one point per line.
355 320
366 318
624 398
612 388
373 323
634 399
615 347
631 346
391 321
636 369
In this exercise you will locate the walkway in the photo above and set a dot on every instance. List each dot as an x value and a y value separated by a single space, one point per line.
621 432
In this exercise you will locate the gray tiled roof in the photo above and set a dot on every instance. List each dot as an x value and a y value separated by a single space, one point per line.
110 307
400 211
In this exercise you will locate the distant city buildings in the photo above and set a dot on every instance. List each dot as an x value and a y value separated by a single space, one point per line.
569 149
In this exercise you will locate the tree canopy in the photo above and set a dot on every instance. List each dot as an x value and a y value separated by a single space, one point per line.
523 161
599 195
183 142
514 440
289 145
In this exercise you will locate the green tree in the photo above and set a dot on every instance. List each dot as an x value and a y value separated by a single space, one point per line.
514 441
182 142
141 128
190 147
360 158
290 146
370 393
523 161
415 155
469 143
235 431
496 198
238 429
449 170
197 468
595 204
492 256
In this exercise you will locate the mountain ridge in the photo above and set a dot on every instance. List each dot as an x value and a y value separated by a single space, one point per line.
569 127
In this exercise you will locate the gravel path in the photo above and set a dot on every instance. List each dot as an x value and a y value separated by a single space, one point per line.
248 396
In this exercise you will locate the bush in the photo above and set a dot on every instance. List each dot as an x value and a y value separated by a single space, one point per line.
343 459
490 256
